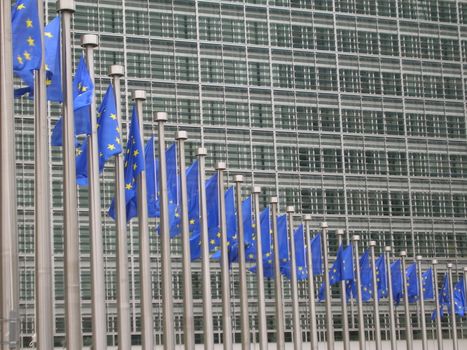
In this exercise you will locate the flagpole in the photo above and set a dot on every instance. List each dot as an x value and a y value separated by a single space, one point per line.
439 331
297 331
455 345
311 285
280 341
147 338
225 273
167 298
205 265
422 302
9 273
408 327
345 318
43 237
392 319
375 297
361 325
188 318
99 329
123 303
74 338
327 287
244 316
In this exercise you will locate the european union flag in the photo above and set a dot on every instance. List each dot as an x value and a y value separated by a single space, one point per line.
108 138
366 279
173 190
412 282
212 204
381 277
192 184
427 277
341 270
83 93
152 186
396 280
300 254
266 244
316 255
133 165
459 298
248 229
283 240
444 298
52 60
26 35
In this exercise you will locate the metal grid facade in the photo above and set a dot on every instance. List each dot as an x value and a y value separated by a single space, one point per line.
350 110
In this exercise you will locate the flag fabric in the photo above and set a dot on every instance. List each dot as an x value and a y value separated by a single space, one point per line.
381 277
248 229
412 282
133 166
316 249
26 40
83 93
283 242
366 279
459 298
427 278
108 138
444 298
52 60
152 186
266 244
212 205
300 257
396 280
192 184
173 185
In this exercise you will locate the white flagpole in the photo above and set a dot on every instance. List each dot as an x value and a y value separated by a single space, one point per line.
439 331
167 297
244 316
280 341
225 273
311 285
392 319
74 338
361 325
455 344
9 273
327 286
375 297
408 326
43 235
188 318
147 337
297 331
421 300
99 329
345 317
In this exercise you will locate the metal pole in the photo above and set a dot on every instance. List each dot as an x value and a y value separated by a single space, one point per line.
74 338
9 273
439 331
361 325
392 319
455 345
147 338
188 318
375 297
167 298
244 316
345 317
225 273
327 287
123 286
422 302
280 340
43 237
99 329
311 286
297 331
408 327
205 266
262 326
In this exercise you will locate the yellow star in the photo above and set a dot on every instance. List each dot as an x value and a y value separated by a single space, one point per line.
111 146
134 168
192 221
117 129
228 243
218 235
48 82
20 7
97 125
30 41
19 59
46 66
117 139
28 23
48 35
27 55
129 186
212 242
113 116
135 153
79 151
126 164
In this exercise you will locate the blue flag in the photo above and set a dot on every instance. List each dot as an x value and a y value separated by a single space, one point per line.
26 35
381 277
83 93
283 241
52 60
341 270
133 165
444 298
212 204
316 257
248 229
427 277
108 138
459 298
173 184
412 282
396 280
266 244
366 279
152 186
300 257
192 184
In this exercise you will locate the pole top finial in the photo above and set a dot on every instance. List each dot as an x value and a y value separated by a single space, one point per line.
116 70
273 200
372 244
139 95
387 249
449 266
221 166
65 5
340 232
161 117
434 262
256 189
89 40
355 238
403 253
419 258
181 135
324 224
202 152
290 209
465 269
307 217
238 178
